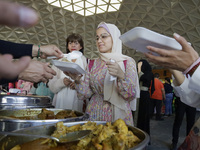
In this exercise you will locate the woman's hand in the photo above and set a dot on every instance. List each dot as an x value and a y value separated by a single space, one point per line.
115 70
67 82
75 77
72 85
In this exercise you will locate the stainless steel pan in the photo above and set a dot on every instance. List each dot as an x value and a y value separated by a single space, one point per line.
7 124
8 142
23 102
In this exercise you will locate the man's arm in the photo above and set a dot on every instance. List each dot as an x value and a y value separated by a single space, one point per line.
195 81
19 50
174 59
15 49
181 84
178 77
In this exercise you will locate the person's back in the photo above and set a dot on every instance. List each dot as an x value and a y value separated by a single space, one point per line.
146 79
157 97
157 94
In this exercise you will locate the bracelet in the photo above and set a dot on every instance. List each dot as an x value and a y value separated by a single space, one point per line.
38 55
193 69
189 68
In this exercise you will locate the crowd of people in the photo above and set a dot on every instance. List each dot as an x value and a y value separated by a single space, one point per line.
111 82
109 98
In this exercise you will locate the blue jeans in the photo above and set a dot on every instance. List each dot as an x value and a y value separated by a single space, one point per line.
168 103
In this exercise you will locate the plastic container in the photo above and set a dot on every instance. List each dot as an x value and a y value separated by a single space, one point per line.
68 67
139 38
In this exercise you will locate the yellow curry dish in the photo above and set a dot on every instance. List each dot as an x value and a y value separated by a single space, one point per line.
47 114
111 136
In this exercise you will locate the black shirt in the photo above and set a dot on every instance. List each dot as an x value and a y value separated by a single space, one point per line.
15 49
168 88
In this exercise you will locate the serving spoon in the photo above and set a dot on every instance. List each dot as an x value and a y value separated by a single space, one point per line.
67 138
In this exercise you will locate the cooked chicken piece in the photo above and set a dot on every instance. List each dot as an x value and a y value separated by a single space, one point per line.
46 114
73 128
119 141
107 144
89 126
65 114
132 140
17 147
121 126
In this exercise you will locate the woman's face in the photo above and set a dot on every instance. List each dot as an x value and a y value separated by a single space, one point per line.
104 41
74 46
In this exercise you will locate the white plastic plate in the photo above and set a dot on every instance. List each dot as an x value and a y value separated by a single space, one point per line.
68 66
139 38
13 90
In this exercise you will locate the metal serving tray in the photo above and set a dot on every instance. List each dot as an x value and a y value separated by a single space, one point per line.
22 102
7 142
16 124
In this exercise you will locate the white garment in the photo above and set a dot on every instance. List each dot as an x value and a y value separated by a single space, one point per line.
66 98
189 90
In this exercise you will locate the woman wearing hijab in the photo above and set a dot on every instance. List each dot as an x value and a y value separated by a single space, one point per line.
146 79
111 86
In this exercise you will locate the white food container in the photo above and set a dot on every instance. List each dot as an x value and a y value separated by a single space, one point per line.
139 38
68 67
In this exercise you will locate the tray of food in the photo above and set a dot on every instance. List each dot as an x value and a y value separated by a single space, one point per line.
11 120
139 38
103 135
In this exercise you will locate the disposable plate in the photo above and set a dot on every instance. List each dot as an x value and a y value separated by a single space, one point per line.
68 67
139 38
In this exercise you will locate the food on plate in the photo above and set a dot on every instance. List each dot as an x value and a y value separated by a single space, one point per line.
110 136
48 114
65 59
